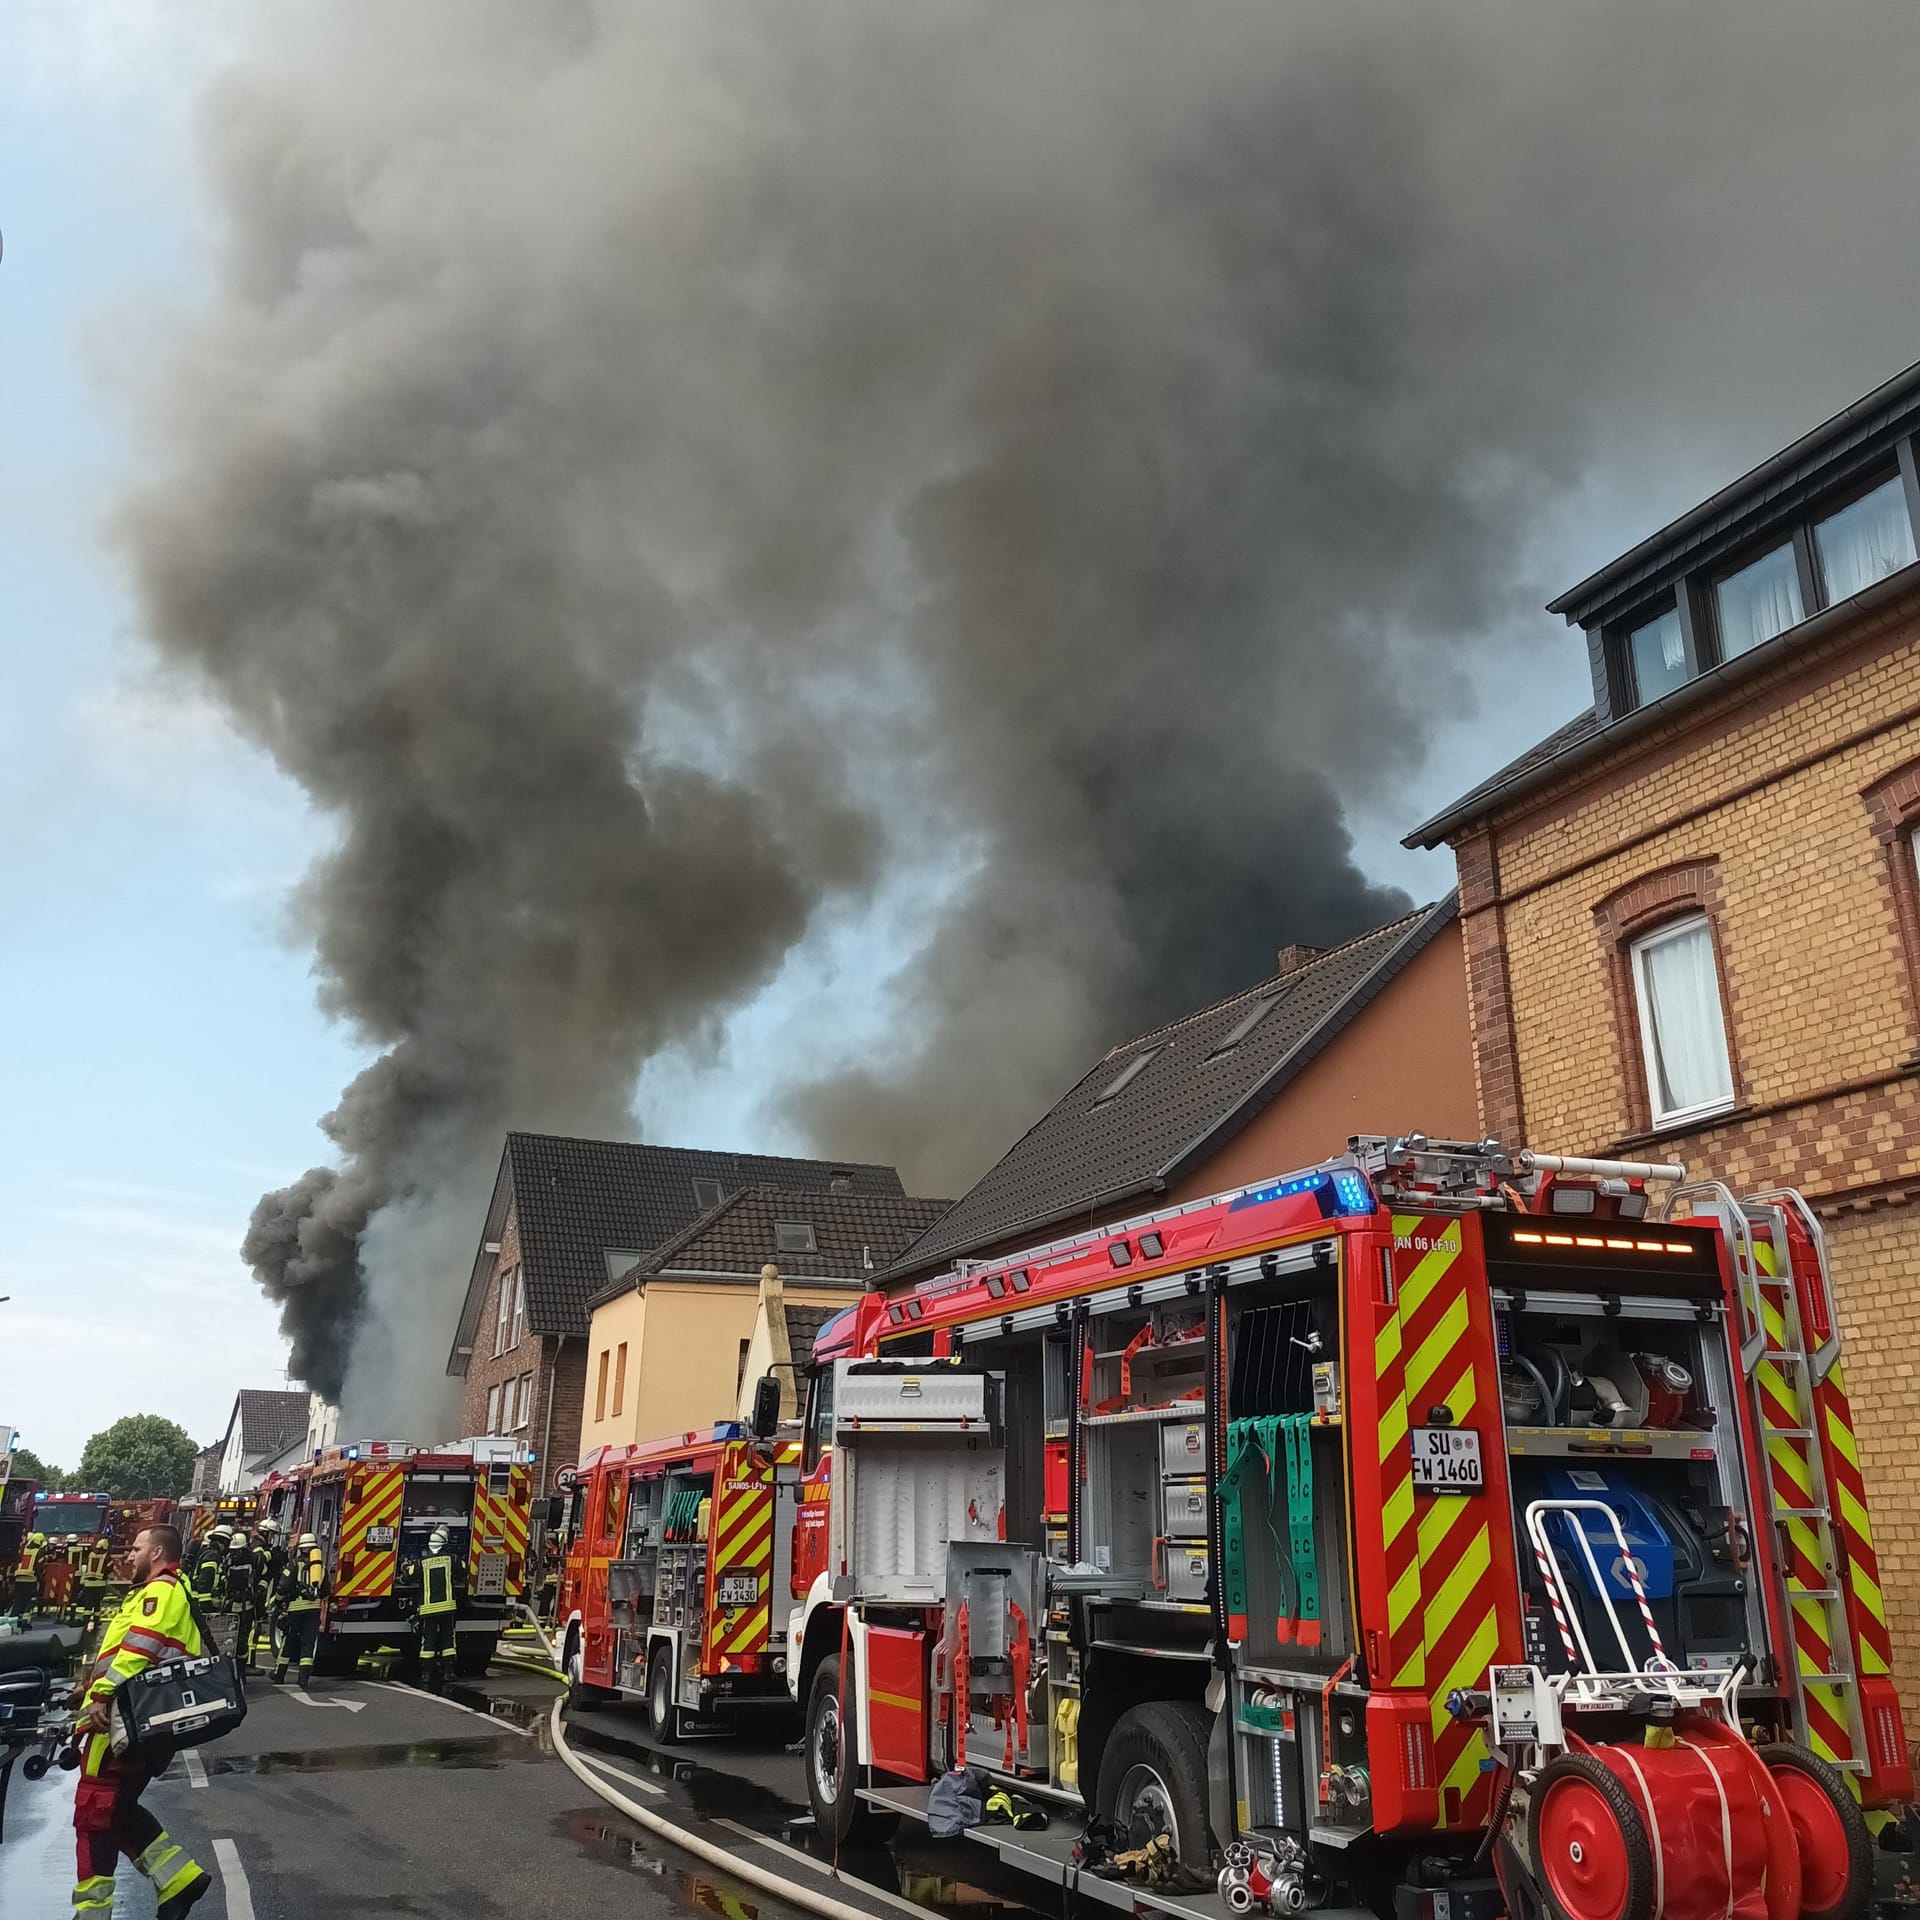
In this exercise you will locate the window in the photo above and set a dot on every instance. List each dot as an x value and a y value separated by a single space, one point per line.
1658 651
503 1313
620 1378
1683 1035
740 1376
1246 1023
1760 600
493 1409
707 1194
519 1306
819 1435
1865 542
794 1236
1126 1076
600 1391
524 1411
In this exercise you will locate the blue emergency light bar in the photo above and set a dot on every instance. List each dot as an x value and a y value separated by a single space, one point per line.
1345 1189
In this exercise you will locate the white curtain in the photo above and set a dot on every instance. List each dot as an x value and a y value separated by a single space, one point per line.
1759 601
1686 1042
1866 541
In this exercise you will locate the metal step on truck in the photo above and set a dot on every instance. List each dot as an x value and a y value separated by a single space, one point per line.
1439 1532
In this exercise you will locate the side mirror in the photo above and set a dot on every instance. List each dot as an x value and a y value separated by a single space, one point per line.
556 1511
766 1407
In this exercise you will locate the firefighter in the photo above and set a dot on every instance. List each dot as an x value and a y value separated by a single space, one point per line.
237 1581
304 1587
26 1575
56 1578
265 1563
435 1608
155 1623
210 1568
95 1570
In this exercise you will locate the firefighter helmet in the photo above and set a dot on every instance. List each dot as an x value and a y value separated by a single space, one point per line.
306 1540
271 1528
437 1540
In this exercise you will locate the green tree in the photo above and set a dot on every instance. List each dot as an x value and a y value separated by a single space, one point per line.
27 1465
139 1456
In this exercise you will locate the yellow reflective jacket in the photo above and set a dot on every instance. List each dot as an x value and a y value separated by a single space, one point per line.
154 1623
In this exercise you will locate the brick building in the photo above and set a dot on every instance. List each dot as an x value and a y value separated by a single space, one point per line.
1691 916
1366 1037
567 1218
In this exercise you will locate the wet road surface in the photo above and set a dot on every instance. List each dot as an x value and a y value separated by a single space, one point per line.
371 1798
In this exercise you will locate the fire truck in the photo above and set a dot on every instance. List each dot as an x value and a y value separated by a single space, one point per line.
678 1547
372 1505
1439 1531
76 1521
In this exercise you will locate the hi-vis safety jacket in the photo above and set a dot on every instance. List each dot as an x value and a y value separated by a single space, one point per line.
95 1567
29 1562
304 1584
154 1623
436 1584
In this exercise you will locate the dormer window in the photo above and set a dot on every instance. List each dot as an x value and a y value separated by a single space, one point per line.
1759 600
1865 541
1658 652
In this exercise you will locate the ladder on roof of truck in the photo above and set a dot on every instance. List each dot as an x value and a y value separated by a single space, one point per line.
1783 1374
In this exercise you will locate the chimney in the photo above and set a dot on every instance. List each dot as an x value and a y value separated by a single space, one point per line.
1293 958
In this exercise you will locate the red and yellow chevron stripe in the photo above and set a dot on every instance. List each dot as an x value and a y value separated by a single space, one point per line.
741 1544
371 1499
500 1523
1467 1616
1785 1404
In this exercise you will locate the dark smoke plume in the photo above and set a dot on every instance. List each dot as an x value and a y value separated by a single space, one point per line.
656 475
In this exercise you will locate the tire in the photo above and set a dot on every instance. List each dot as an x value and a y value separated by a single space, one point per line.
1153 1777
1836 1850
1591 1856
580 1696
663 1717
840 1816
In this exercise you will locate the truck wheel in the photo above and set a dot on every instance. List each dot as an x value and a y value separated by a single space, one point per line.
1589 1844
580 1695
839 1814
1836 1850
663 1717
1153 1778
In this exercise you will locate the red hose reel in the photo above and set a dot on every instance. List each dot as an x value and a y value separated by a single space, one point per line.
1700 1829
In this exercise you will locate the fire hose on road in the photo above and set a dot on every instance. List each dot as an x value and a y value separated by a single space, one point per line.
794 1891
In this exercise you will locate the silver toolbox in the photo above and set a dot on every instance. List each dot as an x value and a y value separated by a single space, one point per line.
1183 1447
1183 1569
1184 1503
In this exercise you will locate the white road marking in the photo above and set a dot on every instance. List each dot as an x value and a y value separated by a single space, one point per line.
440 1699
234 1876
866 1888
196 1769
307 1700
620 1773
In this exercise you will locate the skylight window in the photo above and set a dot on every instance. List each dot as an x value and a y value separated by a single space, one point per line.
794 1236
707 1194
1247 1022
1126 1076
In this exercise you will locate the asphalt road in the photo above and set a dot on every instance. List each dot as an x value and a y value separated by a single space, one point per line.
373 1799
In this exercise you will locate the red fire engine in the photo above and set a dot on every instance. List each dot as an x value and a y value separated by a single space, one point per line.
373 1504
1432 1504
677 1549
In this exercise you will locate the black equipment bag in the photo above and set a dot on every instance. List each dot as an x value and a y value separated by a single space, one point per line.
178 1703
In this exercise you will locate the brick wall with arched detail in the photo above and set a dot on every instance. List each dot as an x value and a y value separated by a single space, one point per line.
1641 907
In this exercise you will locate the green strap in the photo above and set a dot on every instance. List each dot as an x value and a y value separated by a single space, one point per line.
1306 1564
1233 1526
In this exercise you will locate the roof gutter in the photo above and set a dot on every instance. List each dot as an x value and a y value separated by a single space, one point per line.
1031 1223
1891 592
1712 510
